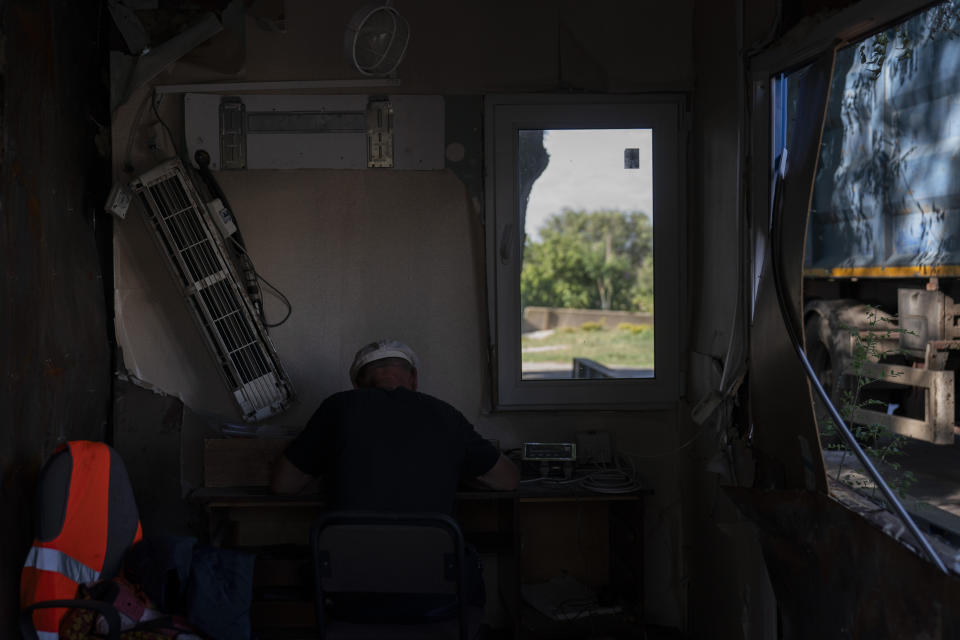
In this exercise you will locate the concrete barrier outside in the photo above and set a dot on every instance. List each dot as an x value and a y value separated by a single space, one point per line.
540 318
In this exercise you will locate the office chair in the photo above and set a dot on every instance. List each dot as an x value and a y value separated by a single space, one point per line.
390 553
86 520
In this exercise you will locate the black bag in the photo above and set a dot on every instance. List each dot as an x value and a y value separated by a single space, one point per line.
211 587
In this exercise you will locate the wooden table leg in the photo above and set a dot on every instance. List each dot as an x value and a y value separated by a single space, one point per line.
626 554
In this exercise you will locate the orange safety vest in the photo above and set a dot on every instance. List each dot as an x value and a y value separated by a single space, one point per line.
55 567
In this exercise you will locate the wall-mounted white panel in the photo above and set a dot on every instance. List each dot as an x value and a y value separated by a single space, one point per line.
306 151
418 131
305 103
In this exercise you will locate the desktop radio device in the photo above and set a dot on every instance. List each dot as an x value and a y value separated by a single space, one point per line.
548 459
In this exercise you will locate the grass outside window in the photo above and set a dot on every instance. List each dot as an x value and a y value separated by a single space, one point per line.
620 347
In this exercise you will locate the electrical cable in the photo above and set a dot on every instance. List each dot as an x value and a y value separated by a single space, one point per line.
283 298
553 481
253 284
609 481
154 103
790 324
132 135
613 481
612 484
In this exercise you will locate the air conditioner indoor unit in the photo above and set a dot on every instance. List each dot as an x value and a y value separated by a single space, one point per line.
191 232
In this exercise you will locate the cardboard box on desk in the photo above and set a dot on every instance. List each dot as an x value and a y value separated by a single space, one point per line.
240 462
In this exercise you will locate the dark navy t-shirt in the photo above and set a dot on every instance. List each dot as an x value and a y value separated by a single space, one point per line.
390 450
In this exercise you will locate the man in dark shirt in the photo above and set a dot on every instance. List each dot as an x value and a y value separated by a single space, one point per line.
385 446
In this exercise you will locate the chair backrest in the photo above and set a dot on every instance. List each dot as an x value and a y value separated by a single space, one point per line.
86 520
388 553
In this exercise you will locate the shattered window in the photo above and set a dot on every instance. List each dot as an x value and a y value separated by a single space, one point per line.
882 259
886 198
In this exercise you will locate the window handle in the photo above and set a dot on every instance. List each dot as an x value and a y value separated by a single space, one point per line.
506 243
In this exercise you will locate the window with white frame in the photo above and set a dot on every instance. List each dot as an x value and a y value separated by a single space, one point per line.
584 220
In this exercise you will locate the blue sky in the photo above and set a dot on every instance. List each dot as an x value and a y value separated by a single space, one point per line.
586 172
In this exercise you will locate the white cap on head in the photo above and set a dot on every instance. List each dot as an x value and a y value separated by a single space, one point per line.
378 351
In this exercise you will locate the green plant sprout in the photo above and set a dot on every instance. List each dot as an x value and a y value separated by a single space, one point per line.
877 441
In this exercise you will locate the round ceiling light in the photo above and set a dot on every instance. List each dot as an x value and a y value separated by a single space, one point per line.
376 39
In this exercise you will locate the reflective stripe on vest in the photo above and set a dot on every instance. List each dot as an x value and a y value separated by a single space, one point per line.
47 559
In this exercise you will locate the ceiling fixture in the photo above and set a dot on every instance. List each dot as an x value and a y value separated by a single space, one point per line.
376 39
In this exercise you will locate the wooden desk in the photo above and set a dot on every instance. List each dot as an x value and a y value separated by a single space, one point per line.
537 533
552 530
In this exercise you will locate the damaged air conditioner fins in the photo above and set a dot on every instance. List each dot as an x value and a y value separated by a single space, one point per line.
194 245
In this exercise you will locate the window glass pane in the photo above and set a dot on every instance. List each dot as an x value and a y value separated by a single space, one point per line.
882 252
586 283
886 194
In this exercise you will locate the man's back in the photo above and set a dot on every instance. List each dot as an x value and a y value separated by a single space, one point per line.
385 447
391 449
